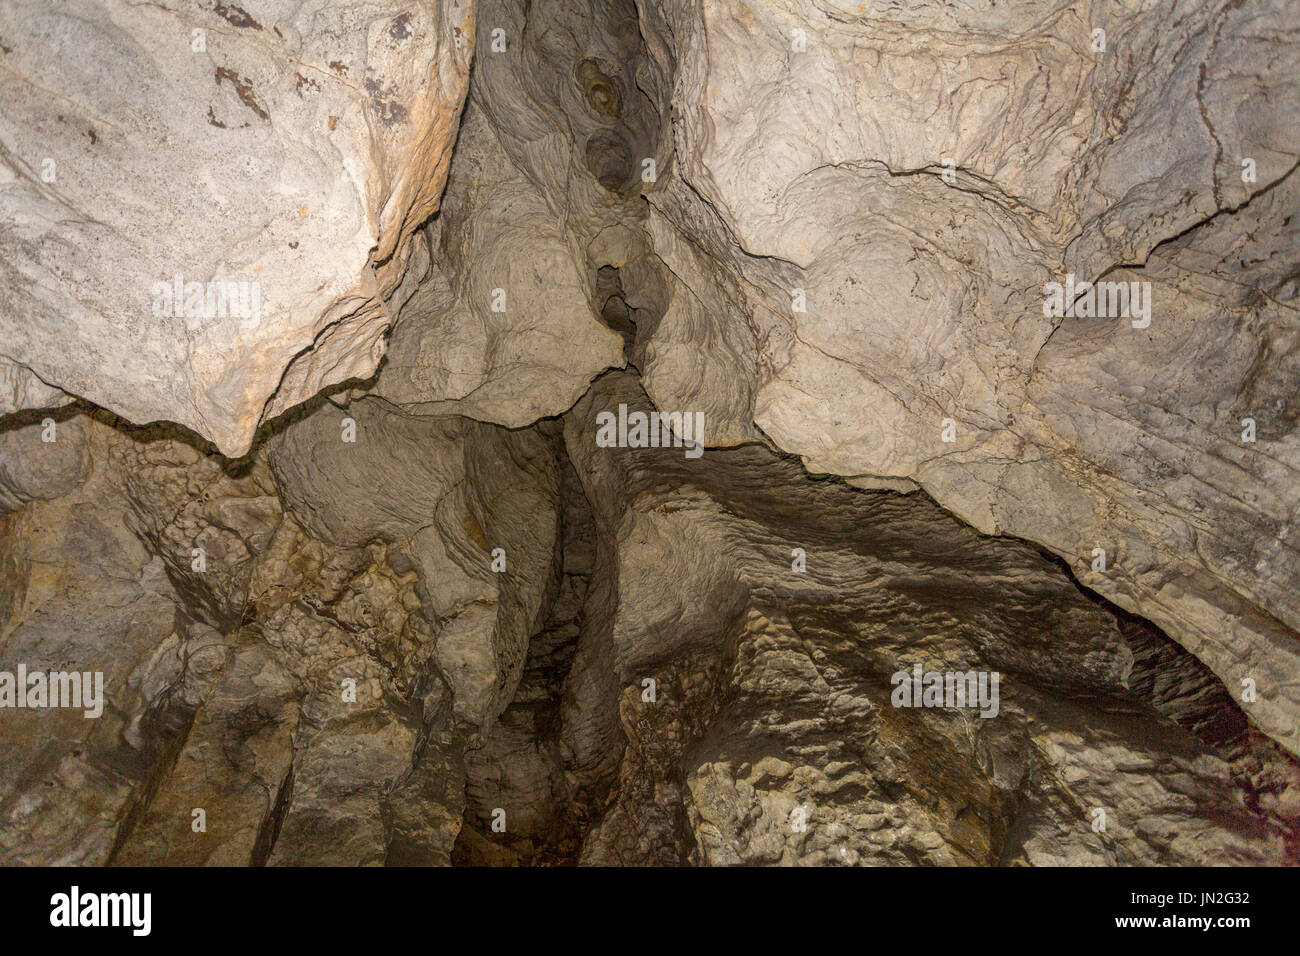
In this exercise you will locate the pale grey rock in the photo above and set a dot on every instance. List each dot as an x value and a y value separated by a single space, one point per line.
290 148
819 172
20 389
501 330
746 207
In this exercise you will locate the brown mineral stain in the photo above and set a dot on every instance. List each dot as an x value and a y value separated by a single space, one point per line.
338 67
243 89
334 121
237 16
302 211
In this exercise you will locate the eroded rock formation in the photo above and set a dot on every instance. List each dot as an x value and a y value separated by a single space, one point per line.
154 153
366 583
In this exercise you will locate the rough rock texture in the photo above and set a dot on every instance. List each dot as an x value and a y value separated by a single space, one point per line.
773 687
295 147
822 171
227 679
429 617
500 329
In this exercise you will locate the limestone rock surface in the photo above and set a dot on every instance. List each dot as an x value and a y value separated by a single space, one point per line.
988 313
889 191
287 150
